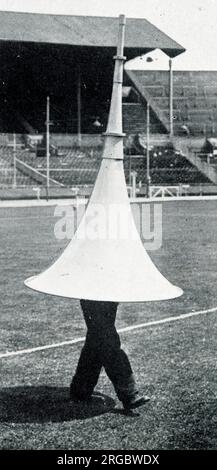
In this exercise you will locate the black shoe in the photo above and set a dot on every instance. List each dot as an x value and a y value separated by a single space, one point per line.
134 402
77 397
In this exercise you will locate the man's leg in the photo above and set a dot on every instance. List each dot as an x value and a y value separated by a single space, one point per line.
90 361
87 372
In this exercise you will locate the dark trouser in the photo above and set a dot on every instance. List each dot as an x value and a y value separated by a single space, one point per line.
102 348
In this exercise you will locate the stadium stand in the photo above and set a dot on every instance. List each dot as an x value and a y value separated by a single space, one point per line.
194 102
178 159
194 110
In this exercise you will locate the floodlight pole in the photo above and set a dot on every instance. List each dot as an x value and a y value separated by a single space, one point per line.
48 145
14 161
171 97
148 178
79 107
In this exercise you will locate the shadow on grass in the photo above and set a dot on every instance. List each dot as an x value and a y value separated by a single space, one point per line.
32 404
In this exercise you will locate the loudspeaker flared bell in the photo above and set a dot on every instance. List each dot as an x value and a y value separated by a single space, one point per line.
106 260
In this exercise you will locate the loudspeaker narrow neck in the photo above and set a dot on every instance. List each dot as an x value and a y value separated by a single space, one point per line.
114 132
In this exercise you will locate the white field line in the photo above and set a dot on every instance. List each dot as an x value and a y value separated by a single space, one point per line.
40 203
65 202
183 316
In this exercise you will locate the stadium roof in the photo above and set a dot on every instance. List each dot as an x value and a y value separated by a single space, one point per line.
154 60
192 60
89 31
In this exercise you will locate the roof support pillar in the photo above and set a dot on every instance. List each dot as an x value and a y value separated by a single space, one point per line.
79 106
171 97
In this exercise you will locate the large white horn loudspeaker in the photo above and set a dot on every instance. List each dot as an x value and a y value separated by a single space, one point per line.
110 264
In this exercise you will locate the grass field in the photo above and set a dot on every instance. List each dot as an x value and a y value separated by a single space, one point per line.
175 363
